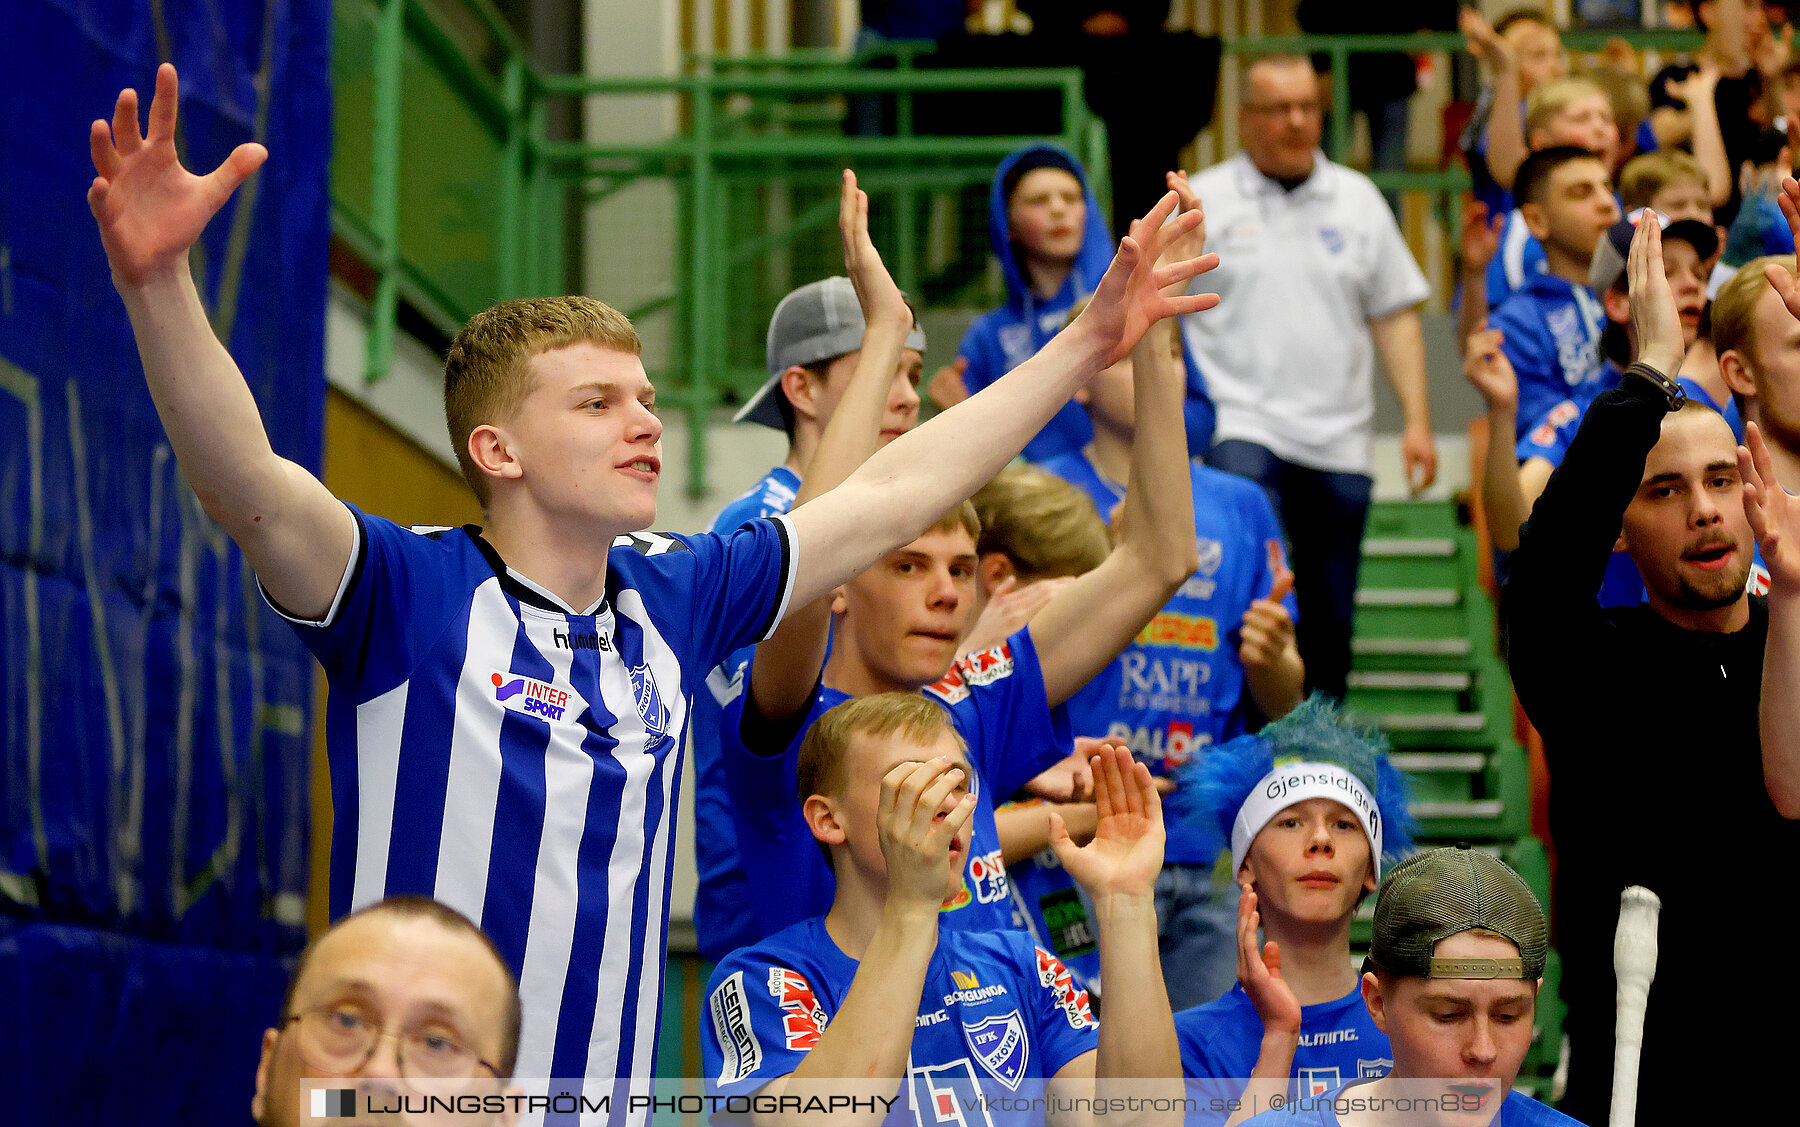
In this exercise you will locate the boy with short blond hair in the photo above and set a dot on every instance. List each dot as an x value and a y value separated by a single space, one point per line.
1669 182
507 703
877 1001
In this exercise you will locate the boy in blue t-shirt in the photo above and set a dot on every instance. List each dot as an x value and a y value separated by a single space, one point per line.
937 1025
1308 808
1218 659
896 628
507 703
1452 979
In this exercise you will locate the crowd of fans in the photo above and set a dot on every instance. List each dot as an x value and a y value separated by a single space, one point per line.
1033 781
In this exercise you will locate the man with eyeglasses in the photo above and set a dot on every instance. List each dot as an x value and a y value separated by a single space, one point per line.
1314 279
403 1000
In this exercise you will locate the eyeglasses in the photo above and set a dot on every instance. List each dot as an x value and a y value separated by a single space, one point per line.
338 1040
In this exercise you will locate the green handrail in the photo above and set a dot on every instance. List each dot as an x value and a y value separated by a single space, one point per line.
717 151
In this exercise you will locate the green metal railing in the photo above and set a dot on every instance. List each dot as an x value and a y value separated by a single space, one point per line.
448 187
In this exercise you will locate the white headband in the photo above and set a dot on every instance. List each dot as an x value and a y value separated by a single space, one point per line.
1297 782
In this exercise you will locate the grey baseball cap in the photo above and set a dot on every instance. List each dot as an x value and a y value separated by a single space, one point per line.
1443 892
819 321
1614 247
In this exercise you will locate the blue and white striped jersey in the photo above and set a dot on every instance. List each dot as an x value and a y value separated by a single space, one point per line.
519 759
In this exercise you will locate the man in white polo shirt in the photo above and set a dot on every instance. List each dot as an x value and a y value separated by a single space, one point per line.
1314 279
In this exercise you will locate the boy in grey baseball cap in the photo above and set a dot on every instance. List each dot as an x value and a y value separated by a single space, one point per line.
1452 978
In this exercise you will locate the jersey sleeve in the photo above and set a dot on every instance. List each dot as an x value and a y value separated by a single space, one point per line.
389 607
1063 1024
781 859
1394 280
998 701
726 591
1548 437
762 1018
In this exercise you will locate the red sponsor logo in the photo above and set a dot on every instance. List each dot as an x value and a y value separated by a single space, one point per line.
1187 631
982 668
1054 976
802 1019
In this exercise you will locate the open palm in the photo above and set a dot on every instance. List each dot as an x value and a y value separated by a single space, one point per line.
1127 848
149 208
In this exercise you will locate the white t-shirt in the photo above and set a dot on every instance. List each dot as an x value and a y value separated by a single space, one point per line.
1287 355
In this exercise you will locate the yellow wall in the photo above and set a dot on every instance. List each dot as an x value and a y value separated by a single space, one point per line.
376 468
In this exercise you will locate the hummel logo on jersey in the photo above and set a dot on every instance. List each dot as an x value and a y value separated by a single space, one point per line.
530 696
573 641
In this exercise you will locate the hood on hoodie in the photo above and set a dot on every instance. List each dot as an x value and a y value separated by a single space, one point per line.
1091 260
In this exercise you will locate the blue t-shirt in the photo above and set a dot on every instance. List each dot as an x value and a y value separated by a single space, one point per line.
1729 409
518 758
1179 687
998 1016
722 900
1517 1110
997 701
1552 337
1221 1040
1519 258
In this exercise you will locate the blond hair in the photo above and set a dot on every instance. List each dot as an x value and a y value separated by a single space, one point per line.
1041 523
1734 308
1647 174
486 376
882 716
1552 98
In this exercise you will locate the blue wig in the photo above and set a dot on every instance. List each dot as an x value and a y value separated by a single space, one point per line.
1210 789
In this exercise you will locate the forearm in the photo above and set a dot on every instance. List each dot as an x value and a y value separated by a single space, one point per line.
1024 827
1143 1046
1501 498
1400 338
1780 710
1568 538
863 1050
205 406
1506 146
1269 1076
1473 310
915 479
1278 686
1087 624
1709 149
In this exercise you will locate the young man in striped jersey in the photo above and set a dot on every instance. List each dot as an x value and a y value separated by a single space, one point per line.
508 703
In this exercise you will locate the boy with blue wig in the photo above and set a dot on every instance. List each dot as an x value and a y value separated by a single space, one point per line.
1307 810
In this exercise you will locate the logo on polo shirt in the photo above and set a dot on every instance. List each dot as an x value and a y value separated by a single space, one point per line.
530 696
802 1019
982 668
1212 554
999 1043
1333 239
1317 1081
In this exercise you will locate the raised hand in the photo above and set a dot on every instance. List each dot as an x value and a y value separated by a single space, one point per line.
1773 512
876 292
1488 370
1480 234
1653 313
1010 608
1266 633
1780 278
150 210
1485 43
1136 293
924 807
1259 971
1127 850
1192 244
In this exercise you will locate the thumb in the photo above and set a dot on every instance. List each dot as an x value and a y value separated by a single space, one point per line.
1271 957
1284 582
243 161
1060 841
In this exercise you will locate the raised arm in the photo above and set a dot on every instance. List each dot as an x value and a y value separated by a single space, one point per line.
1400 338
916 478
1259 972
786 666
863 1050
1090 621
1118 870
1506 147
150 210
1698 90
1489 372
1774 515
